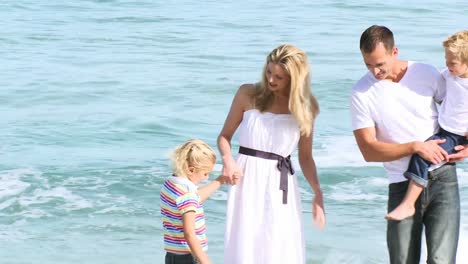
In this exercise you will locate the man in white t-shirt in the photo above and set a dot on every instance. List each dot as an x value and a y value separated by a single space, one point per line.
393 111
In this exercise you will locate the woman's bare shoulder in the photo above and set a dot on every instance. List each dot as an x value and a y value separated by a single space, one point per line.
247 88
246 94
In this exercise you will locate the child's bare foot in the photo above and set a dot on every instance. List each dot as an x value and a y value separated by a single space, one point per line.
402 211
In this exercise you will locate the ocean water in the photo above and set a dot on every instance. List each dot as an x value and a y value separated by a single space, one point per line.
94 94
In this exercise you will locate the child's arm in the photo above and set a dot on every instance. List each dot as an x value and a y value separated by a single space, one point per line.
205 191
188 221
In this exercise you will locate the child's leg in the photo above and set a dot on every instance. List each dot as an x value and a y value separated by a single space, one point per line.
417 173
406 207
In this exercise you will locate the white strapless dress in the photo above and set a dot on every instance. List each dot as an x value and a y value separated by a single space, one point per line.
260 229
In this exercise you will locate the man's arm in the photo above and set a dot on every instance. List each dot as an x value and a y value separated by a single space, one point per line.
376 151
462 153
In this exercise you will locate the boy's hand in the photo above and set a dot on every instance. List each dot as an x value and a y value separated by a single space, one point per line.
222 179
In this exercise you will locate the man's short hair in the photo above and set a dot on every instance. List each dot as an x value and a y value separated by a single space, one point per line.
375 34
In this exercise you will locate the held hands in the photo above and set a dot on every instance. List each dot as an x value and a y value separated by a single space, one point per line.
318 211
226 180
431 151
231 171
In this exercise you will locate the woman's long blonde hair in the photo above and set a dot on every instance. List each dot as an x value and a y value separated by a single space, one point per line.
302 104
193 153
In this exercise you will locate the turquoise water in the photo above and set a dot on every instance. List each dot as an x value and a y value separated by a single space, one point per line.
94 94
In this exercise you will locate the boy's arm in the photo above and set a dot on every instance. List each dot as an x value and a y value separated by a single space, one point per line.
188 221
205 191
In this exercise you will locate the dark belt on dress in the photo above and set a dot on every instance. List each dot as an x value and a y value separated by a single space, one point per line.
284 166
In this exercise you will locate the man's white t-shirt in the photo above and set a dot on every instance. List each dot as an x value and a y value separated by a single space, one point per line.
400 112
453 114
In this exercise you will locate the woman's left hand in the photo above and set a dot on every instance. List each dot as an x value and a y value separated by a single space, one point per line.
318 211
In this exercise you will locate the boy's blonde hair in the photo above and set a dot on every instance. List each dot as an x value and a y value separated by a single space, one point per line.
458 45
193 153
302 104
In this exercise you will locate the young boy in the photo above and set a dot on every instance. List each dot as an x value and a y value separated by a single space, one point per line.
182 203
453 121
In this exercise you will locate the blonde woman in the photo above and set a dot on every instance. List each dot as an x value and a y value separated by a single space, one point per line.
264 214
182 203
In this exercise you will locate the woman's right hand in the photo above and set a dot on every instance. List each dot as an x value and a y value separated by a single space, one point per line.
231 170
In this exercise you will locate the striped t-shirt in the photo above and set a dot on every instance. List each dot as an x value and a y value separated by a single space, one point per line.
178 196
